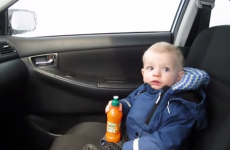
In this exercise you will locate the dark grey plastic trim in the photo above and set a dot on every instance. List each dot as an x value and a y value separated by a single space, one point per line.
10 56
42 45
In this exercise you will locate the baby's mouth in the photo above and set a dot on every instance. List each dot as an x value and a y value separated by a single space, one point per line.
155 82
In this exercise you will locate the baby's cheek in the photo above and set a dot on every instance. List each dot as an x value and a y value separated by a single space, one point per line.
146 79
171 81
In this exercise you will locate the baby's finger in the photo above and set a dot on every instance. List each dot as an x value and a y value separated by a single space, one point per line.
120 107
107 108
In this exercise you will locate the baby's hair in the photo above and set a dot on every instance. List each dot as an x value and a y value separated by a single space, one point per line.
167 47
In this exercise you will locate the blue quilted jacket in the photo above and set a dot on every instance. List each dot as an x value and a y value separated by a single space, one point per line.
174 117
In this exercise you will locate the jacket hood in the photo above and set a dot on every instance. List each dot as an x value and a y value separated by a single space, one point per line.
193 80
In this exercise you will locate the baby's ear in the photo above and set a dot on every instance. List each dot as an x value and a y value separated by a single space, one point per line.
180 75
142 72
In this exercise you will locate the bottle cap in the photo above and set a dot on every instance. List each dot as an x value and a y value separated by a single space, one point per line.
115 101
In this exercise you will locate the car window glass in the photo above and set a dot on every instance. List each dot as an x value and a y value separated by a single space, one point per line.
220 13
67 17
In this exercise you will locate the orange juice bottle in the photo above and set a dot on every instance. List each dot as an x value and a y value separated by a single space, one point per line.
114 116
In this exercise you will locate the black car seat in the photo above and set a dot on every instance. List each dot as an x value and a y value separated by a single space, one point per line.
211 52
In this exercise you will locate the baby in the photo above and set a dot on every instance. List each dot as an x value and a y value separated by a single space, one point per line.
161 113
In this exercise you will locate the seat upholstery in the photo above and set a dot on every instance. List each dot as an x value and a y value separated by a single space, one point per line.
211 52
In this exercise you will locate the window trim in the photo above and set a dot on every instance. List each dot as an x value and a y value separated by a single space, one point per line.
186 24
179 16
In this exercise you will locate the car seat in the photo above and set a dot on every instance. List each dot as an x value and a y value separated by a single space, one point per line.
210 51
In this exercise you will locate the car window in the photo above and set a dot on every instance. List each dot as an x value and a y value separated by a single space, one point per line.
67 17
220 13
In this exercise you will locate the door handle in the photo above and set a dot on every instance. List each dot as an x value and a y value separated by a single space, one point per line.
44 60
48 62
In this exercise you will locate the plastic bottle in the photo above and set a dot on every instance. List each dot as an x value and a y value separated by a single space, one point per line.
114 116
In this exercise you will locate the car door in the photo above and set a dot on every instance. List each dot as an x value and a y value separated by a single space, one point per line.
56 80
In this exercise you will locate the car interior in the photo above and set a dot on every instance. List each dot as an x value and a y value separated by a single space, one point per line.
51 85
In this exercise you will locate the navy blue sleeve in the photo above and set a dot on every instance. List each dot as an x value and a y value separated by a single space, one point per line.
175 129
128 101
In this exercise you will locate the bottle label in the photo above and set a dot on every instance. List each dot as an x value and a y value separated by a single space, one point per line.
113 127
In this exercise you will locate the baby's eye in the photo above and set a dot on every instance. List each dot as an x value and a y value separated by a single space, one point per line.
149 68
166 69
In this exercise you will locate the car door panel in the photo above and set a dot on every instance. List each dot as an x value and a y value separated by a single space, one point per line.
98 73
88 71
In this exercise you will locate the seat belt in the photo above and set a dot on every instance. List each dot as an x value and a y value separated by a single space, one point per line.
202 19
205 8
165 88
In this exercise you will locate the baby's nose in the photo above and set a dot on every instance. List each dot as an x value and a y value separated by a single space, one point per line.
156 73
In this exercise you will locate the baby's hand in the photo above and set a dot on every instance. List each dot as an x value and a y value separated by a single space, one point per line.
107 108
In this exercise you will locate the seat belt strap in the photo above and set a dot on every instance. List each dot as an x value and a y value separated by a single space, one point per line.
205 8
165 88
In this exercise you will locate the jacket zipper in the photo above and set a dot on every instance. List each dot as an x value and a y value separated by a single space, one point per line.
137 95
158 99
127 102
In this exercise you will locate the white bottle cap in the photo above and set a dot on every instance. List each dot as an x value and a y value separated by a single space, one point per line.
115 97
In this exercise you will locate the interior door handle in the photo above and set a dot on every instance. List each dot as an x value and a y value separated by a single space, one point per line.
48 62
44 60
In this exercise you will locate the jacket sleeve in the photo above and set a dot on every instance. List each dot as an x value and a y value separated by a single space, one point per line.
176 127
128 101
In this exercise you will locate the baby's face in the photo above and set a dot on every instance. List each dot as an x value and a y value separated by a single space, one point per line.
160 69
